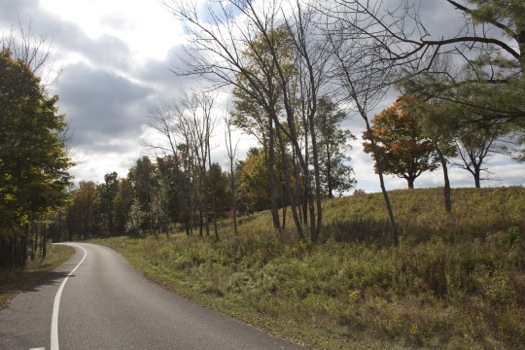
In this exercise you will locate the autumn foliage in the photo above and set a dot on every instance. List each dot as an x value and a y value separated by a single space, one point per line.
401 148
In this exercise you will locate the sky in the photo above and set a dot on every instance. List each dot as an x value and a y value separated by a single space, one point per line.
114 58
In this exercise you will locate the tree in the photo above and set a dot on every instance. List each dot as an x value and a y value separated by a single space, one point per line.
123 203
437 119
231 150
474 144
490 48
262 101
254 189
144 179
33 161
186 127
402 149
82 217
360 70
243 44
336 173
107 193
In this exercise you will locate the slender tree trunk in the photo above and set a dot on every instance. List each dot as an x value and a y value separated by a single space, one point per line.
446 181
231 155
393 225
213 194
316 228
270 161
293 200
329 173
234 198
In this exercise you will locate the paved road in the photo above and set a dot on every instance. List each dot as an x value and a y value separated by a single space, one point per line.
106 304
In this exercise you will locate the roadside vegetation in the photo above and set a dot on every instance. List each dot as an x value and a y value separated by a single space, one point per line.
15 280
456 281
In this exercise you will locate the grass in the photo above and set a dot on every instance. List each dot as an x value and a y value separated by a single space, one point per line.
456 282
14 281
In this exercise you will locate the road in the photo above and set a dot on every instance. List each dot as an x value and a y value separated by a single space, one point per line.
97 301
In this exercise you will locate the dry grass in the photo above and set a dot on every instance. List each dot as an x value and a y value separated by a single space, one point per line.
456 282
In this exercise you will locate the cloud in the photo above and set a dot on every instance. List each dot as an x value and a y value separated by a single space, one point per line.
101 105
117 56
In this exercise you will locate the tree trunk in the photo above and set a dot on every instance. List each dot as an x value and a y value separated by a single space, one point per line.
446 181
293 201
316 227
477 178
393 225
234 198
270 161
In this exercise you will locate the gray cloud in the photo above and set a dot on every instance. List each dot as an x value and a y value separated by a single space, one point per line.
107 93
100 105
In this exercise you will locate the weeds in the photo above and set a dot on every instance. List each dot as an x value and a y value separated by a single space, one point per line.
456 282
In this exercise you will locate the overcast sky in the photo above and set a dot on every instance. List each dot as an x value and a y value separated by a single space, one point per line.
116 56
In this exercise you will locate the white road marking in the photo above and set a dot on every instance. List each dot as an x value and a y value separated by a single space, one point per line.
56 303
37 349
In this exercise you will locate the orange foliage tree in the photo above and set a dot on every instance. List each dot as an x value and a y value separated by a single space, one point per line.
402 148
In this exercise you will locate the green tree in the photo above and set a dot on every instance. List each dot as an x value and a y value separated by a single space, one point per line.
275 59
336 172
82 217
403 150
490 50
220 190
107 193
33 160
475 142
437 119
123 202
254 183
144 179
260 101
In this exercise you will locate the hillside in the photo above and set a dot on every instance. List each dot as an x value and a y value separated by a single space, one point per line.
457 281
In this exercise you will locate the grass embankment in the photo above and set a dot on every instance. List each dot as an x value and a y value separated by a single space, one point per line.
16 280
456 282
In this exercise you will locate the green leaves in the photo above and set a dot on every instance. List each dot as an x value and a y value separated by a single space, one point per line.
33 162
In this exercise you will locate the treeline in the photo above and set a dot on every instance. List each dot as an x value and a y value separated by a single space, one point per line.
295 76
188 190
157 197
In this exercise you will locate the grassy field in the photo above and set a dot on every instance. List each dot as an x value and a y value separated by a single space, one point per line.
456 281
14 281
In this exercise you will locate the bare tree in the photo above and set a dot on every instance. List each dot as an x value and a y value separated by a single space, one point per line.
186 126
35 50
231 150
360 69
216 52
273 57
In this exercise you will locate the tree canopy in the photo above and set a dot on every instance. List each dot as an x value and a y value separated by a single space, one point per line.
33 159
403 150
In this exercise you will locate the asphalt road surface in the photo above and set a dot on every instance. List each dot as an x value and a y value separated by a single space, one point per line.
97 301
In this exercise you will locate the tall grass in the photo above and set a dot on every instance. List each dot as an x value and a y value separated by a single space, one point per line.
456 282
